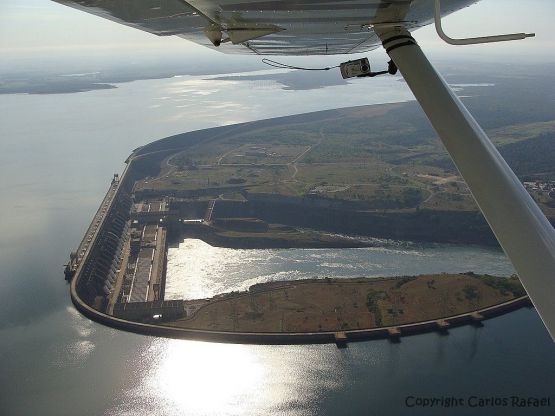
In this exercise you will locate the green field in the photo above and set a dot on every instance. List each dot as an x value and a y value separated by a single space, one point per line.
382 157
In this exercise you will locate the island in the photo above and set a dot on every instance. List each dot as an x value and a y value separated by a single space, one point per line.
332 179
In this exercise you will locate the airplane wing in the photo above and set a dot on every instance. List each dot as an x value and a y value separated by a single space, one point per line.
270 27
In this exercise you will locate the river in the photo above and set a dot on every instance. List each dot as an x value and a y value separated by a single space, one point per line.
197 270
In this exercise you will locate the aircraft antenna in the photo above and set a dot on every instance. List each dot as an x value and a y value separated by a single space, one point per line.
281 65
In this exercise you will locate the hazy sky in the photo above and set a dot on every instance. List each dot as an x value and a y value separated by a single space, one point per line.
37 27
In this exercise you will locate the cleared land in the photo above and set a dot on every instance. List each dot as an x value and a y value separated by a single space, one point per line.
375 171
345 304
382 157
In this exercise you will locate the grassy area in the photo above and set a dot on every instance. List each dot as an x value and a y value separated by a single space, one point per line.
263 154
343 304
216 176
386 156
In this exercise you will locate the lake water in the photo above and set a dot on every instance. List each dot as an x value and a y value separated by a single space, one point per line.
57 155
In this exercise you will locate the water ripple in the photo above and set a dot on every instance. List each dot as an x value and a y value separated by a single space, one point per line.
198 270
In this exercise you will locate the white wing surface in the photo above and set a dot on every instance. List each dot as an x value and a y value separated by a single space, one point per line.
270 27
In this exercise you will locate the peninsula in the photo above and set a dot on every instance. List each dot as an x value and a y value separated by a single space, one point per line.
305 181
316 305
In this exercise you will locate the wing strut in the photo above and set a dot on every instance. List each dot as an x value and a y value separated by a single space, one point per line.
523 231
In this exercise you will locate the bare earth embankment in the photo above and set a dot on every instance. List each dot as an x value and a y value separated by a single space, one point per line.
350 304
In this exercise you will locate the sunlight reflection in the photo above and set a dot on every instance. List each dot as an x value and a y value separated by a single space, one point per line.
213 378
197 378
197 270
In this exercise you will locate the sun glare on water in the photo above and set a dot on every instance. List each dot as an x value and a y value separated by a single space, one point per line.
199 377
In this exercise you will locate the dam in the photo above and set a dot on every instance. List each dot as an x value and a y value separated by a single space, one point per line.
118 272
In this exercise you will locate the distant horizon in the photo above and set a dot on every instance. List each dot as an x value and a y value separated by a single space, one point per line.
70 75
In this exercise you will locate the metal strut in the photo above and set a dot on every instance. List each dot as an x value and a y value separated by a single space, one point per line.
523 231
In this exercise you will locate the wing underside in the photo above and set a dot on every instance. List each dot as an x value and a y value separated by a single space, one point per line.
270 27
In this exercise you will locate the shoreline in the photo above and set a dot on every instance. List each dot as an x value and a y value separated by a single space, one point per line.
339 337
340 304
328 337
